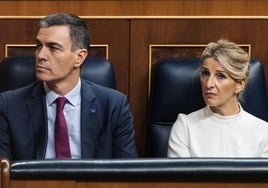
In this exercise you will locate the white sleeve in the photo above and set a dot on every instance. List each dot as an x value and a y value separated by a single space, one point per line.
264 148
178 145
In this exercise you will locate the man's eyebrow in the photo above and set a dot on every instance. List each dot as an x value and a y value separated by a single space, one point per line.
54 44
37 41
49 43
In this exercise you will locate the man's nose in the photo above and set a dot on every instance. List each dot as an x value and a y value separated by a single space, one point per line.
41 53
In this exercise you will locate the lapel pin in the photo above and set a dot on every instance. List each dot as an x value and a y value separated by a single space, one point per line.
92 110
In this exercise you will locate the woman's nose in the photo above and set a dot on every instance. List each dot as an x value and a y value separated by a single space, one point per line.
210 82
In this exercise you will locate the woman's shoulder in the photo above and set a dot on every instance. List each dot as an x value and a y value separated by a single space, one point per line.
193 117
201 113
251 119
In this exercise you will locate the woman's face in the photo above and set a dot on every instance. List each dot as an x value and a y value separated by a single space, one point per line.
218 88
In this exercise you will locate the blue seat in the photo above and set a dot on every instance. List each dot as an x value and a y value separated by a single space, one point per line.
176 88
20 70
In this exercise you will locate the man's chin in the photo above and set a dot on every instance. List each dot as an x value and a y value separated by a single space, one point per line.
42 78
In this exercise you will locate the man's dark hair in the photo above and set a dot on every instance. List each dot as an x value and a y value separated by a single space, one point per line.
79 31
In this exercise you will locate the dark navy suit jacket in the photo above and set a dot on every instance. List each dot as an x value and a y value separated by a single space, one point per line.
106 123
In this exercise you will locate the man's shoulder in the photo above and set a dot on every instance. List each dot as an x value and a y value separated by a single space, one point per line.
22 91
99 89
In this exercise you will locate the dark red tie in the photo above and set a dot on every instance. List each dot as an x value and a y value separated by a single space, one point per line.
62 147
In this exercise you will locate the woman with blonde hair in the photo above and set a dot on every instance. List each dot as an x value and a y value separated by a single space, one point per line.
222 128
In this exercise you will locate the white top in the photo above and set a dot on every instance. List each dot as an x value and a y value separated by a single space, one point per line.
207 134
72 113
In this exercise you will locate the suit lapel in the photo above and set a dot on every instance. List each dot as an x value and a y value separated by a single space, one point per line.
90 122
37 114
90 126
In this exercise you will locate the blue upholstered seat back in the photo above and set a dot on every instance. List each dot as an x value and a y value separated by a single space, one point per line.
19 71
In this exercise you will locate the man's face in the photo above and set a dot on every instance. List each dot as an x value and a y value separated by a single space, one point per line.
55 62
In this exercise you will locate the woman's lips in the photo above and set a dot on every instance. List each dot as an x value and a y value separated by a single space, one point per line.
210 94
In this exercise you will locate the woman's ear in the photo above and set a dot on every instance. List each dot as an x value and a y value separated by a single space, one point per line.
81 55
240 85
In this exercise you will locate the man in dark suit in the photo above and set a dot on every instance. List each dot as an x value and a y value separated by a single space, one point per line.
98 120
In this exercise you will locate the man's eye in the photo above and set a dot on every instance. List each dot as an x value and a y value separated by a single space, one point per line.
38 46
53 48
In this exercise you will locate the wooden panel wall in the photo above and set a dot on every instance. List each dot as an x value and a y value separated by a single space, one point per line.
136 7
129 27
131 184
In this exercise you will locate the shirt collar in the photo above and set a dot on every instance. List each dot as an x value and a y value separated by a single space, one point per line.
225 119
73 97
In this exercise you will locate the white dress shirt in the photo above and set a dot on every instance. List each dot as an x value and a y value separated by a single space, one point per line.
72 112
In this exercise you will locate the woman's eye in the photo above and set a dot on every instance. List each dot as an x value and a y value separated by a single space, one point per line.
221 76
204 73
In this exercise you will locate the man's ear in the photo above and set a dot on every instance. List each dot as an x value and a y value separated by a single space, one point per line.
81 55
240 85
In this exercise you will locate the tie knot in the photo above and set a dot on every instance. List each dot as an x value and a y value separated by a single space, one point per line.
61 102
